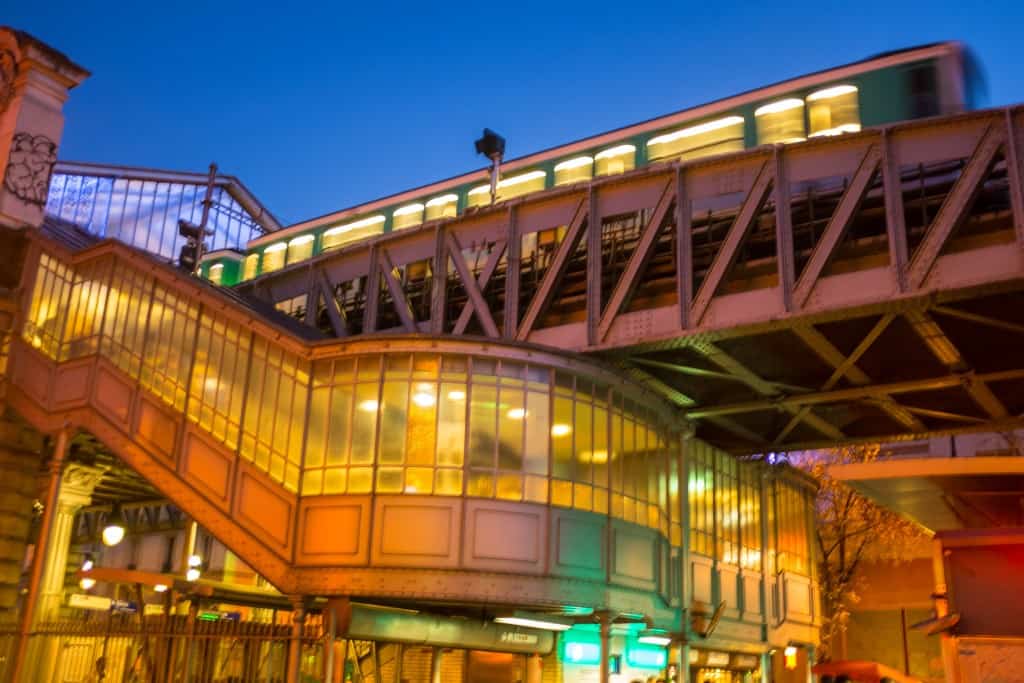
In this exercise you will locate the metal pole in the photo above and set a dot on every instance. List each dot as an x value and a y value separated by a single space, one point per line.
495 171
332 626
190 643
435 666
42 549
606 638
295 642
207 203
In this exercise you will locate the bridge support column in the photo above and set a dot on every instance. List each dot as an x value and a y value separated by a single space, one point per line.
28 612
76 487
435 665
534 669
295 644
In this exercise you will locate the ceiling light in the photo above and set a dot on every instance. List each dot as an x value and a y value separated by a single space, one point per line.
87 563
86 583
113 532
192 574
160 588
516 414
368 406
530 620
834 91
655 636
194 561
560 429
423 399
457 395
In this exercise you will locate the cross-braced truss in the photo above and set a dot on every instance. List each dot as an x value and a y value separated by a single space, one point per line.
862 287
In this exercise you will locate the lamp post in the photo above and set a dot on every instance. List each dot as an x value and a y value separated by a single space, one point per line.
492 146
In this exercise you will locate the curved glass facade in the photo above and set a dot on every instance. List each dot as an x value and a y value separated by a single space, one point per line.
421 416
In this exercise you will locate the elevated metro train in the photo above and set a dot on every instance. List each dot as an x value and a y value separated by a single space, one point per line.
919 82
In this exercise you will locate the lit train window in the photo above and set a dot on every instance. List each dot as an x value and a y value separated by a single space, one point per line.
445 206
407 216
300 249
350 232
518 185
252 262
781 121
712 137
574 170
479 196
618 159
273 257
834 110
216 273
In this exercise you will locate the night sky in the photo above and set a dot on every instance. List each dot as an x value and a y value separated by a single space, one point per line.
317 108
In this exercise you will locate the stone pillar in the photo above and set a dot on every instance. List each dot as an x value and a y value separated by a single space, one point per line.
34 83
20 463
76 487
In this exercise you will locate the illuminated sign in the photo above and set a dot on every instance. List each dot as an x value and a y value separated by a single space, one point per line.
790 658
516 637
581 650
718 659
646 656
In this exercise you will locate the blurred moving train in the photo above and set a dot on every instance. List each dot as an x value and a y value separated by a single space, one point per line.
930 80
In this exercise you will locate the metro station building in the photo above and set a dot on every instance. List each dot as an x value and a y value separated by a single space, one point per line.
444 436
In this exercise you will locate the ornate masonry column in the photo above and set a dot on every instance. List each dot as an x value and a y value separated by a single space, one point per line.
34 83
76 487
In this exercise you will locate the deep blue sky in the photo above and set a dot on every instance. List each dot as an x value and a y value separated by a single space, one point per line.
317 108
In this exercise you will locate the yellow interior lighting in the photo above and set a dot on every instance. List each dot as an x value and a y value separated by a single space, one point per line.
707 127
834 91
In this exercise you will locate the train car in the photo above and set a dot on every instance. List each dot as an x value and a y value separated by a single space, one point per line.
930 80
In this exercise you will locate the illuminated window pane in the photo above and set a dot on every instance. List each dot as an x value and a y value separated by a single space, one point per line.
334 480
483 414
360 479
510 486
834 110
250 266
561 493
781 121
479 196
449 482
444 206
300 249
615 160
481 484
389 480
512 416
422 428
561 438
407 216
451 424
354 231
520 184
576 170
538 432
274 257
711 137
536 489
393 422
217 273
312 483
364 424
419 480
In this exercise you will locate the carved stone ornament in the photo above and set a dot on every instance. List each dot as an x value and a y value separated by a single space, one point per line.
28 169
8 72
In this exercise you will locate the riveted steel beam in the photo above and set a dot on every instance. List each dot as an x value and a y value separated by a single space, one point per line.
727 253
469 283
954 208
848 206
401 303
542 298
784 256
895 221
629 279
481 281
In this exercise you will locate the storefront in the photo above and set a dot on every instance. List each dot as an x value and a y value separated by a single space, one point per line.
714 666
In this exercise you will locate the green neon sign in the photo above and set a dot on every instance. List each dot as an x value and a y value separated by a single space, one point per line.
644 656
579 648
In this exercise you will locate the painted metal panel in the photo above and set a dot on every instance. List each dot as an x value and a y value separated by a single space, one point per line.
412 531
634 556
156 427
578 542
112 394
334 530
71 383
207 465
505 536
263 507
701 570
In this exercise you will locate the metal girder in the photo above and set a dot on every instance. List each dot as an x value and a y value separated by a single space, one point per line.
595 266
372 292
542 297
848 206
483 313
712 374
895 221
513 256
730 248
955 206
402 305
847 365
1014 175
439 290
684 250
946 352
140 518
944 415
783 231
851 394
629 279
762 386
485 276
980 319
337 316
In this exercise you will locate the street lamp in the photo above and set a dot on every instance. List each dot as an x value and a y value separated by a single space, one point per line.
492 146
